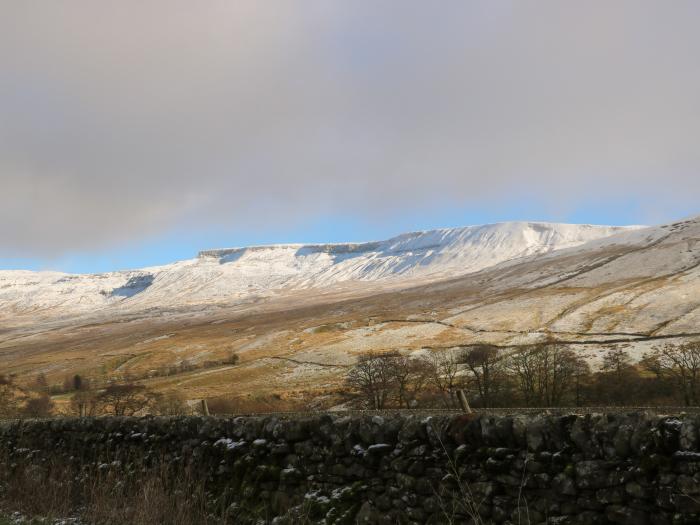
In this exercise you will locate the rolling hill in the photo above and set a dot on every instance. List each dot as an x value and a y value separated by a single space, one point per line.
298 315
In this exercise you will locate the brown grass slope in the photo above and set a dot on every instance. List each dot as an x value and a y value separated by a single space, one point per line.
631 289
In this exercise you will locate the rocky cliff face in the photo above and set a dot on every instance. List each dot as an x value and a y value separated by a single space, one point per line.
599 468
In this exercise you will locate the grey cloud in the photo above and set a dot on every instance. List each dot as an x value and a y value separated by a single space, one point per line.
125 119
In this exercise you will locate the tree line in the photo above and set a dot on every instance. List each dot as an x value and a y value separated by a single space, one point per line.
547 374
117 398
122 395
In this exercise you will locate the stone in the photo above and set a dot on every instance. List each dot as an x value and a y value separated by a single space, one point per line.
685 503
588 501
366 514
383 502
636 490
416 514
622 442
424 487
484 489
611 495
626 515
559 520
688 439
380 449
588 518
591 474
405 481
564 485
280 449
535 434
688 485
290 475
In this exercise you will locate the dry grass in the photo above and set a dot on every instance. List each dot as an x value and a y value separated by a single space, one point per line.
160 497
138 493
21 485
459 502
107 496
256 404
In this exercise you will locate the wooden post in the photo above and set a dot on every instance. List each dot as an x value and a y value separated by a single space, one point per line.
463 402
205 407
82 410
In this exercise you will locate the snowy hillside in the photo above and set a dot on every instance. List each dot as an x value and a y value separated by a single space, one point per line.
231 275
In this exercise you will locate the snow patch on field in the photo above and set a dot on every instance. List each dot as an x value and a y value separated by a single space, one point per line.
385 336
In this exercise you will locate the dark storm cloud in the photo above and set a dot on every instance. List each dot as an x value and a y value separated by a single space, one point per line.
124 119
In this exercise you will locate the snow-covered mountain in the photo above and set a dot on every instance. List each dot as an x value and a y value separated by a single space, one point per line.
231 275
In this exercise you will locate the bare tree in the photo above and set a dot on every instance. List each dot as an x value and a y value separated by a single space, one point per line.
85 403
11 397
681 364
371 378
124 399
409 376
41 384
40 406
171 404
444 373
616 361
581 377
524 365
617 381
486 367
565 373
543 372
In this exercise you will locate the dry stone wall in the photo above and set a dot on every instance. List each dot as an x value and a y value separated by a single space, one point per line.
600 468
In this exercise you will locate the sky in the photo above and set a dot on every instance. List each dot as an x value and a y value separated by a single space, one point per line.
139 132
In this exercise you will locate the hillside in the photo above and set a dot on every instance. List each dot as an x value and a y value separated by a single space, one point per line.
253 273
634 288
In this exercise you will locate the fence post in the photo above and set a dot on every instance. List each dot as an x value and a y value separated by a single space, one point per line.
463 402
205 407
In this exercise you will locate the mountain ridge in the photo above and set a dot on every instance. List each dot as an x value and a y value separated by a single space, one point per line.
235 274
370 245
